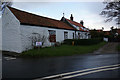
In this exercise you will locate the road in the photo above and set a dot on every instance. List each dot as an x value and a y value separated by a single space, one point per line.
38 68
92 65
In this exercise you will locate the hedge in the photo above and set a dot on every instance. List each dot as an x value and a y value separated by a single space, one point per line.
83 41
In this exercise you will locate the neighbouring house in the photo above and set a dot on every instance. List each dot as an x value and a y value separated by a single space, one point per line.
81 32
96 33
118 31
115 31
97 30
21 29
106 32
113 35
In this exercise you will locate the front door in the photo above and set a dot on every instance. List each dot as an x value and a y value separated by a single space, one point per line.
52 36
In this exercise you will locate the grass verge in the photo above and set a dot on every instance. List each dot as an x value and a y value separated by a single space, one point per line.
63 50
118 47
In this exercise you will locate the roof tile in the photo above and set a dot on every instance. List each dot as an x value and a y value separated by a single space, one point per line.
29 18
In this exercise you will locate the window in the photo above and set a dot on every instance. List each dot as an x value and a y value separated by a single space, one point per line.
52 35
65 35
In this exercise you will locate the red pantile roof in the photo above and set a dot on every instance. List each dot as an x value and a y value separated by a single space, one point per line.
32 19
77 24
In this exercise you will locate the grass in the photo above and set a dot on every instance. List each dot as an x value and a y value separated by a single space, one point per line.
118 47
63 50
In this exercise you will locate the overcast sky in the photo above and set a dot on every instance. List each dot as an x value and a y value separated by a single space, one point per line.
86 11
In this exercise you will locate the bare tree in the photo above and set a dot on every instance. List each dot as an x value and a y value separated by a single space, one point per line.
3 5
112 11
102 28
36 37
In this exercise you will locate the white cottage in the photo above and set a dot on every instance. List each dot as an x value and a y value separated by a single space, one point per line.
20 29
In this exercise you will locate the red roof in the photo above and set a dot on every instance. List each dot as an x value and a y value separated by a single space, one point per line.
32 19
77 24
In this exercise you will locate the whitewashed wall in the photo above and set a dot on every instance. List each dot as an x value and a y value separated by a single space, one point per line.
26 32
11 40
105 39
0 31
16 37
84 35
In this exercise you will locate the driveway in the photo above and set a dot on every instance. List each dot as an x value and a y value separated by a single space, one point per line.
108 48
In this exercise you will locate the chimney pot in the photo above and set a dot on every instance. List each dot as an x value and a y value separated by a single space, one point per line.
71 18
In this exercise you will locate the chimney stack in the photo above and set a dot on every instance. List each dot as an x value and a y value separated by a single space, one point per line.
81 22
71 18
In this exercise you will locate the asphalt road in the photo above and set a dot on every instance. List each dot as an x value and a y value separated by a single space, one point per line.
40 68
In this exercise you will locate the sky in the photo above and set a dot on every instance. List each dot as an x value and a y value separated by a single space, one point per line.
86 11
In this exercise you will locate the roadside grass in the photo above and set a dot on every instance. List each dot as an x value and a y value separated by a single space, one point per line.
118 47
63 50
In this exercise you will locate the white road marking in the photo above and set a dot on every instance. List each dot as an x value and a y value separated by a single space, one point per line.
85 73
9 58
63 74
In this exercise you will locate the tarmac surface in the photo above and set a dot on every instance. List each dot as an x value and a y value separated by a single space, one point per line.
28 68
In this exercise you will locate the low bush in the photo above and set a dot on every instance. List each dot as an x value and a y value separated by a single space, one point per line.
83 41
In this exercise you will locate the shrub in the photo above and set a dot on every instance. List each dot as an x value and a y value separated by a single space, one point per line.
57 44
83 41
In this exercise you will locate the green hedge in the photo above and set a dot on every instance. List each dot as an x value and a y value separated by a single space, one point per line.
118 47
83 41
